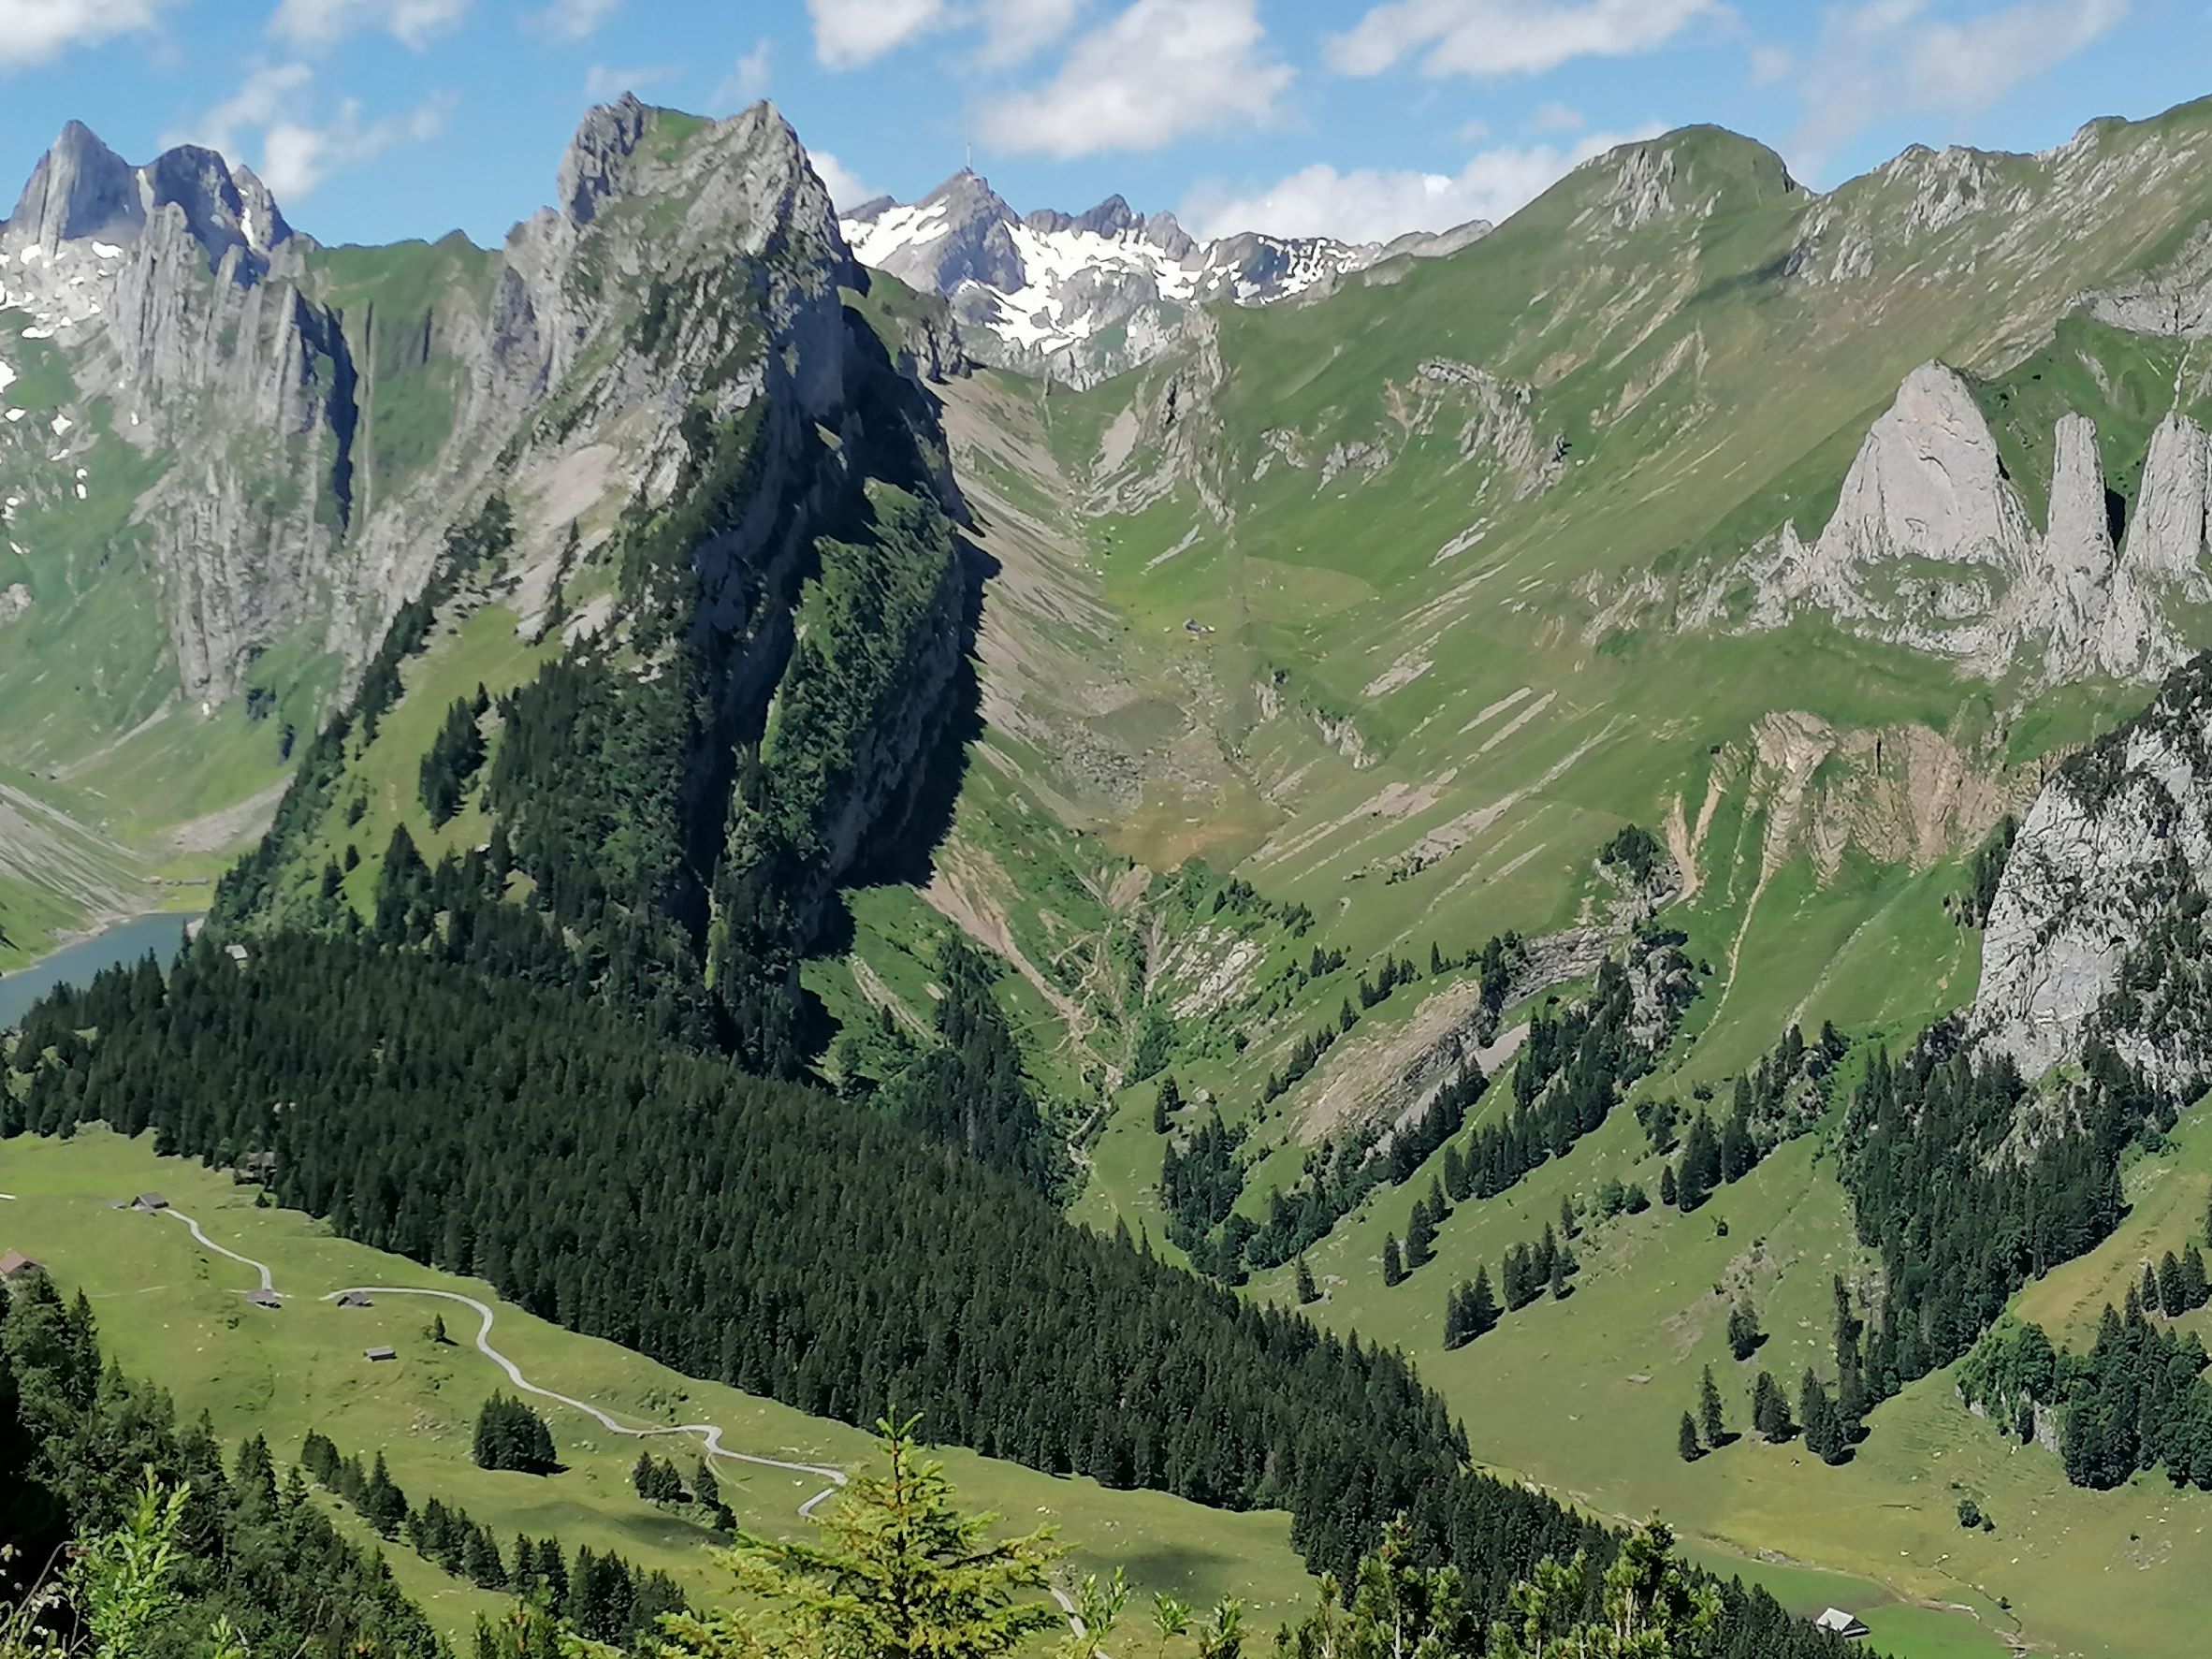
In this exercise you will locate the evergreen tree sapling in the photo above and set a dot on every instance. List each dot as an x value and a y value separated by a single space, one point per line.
896 1567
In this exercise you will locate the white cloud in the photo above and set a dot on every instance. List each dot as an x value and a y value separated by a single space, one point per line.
1484 38
1770 64
1890 58
850 33
1372 204
304 138
313 24
573 20
1554 117
845 188
1160 69
1017 30
747 79
261 97
602 81
38 31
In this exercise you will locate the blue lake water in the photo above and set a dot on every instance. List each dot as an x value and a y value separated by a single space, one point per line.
126 942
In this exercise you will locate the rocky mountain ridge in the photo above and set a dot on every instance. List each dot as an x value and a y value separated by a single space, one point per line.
177 293
1081 298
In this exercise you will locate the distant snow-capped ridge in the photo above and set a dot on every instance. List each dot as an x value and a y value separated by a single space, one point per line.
1084 297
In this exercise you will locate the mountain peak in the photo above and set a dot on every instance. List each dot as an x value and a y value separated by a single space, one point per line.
80 188
81 191
596 162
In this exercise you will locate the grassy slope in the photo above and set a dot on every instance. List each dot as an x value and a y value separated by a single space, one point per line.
1706 398
170 1311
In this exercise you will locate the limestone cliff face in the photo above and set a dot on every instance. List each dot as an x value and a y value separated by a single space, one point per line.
1930 546
686 266
173 291
2093 932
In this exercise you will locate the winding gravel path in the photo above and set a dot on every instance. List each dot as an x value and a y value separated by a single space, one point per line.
710 1434
268 1284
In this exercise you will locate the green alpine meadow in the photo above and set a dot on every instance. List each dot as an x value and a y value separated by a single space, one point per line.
913 931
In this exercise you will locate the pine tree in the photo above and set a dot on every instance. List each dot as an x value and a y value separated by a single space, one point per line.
1482 1308
384 1504
1307 1293
1393 1270
1770 1410
1568 1228
480 1561
1456 1335
2170 1300
1420 1236
1701 1164
1561 1263
552 1574
1165 1104
1851 1391
2194 1289
897 1568
1744 1335
1709 1411
1546 1253
641 1474
1668 1191
1824 1434
2149 1298
1686 1440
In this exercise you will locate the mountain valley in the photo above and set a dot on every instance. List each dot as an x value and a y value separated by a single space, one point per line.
1036 820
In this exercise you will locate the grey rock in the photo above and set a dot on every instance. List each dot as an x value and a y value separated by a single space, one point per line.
1928 486
2071 908
2174 300
2166 538
1642 188
79 190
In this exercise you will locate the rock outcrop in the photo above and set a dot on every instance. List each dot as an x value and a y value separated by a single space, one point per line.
2174 300
1930 546
2095 930
2170 531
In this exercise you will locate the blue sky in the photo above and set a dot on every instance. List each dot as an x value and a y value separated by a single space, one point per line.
379 119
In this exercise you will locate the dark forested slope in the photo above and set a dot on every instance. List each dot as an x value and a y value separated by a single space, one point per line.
772 1237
